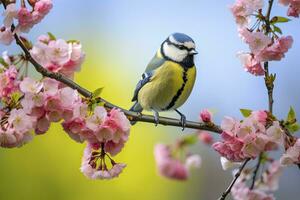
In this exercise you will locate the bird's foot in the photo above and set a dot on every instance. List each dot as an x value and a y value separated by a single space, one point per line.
156 117
182 119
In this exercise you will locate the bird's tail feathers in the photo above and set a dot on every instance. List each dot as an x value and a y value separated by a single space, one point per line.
136 108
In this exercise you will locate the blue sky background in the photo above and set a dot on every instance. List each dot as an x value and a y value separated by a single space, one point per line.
120 37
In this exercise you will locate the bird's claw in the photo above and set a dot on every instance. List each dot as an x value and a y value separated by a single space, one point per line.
183 121
156 118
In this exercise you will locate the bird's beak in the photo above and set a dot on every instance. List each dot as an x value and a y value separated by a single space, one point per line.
193 52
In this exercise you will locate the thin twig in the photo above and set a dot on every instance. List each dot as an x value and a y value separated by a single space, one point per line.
255 172
236 176
133 116
268 82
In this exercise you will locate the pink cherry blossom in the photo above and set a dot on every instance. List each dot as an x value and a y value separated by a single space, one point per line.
6 36
167 166
292 154
25 20
205 137
241 13
59 51
257 40
240 191
259 195
42 126
40 53
76 126
50 87
193 161
114 148
277 50
117 169
77 58
248 138
91 169
21 121
285 2
294 7
9 138
58 55
8 82
108 128
41 9
93 122
251 65
9 14
171 167
270 178
206 115
29 85
230 148
275 133
242 9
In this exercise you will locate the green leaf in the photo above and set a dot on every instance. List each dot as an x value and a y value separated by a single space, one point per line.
277 29
293 127
97 92
16 96
51 36
190 139
279 19
246 112
291 118
73 41
2 62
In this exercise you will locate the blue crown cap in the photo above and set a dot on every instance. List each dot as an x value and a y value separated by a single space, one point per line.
181 37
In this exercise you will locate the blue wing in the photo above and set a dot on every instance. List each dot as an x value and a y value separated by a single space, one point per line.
155 63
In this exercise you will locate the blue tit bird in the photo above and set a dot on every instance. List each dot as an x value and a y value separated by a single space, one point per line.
168 79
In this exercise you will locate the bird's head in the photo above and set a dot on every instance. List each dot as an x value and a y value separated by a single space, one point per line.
178 47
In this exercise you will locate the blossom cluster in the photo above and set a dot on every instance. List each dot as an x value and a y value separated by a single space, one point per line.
108 128
264 46
170 165
243 9
268 183
29 106
90 168
58 55
292 154
294 7
248 138
263 49
25 17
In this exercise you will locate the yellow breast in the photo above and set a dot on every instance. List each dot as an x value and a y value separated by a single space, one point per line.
169 87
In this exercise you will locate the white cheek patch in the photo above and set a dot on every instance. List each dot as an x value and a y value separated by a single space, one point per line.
172 40
174 53
189 45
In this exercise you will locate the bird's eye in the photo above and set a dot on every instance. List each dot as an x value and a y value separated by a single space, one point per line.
181 47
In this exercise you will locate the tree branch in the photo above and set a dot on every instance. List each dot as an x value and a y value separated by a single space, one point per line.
236 176
255 171
132 116
269 81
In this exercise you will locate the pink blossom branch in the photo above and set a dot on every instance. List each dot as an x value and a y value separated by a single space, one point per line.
269 82
132 116
236 176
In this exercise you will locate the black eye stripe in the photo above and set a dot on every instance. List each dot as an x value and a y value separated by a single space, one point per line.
179 46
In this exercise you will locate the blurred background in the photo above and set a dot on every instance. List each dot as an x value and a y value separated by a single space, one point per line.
119 38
